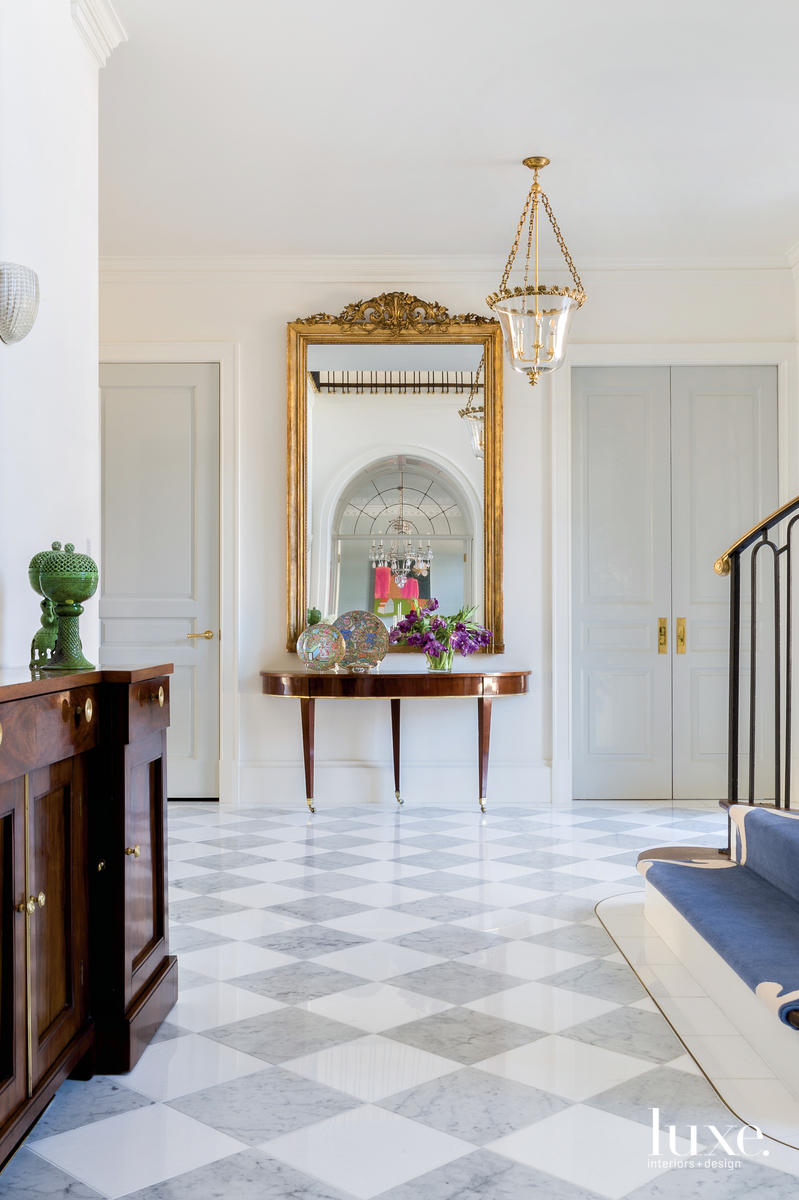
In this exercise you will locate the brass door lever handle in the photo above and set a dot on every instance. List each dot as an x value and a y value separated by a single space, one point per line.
208 635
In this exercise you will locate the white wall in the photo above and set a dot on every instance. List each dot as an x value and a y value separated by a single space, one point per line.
49 439
252 307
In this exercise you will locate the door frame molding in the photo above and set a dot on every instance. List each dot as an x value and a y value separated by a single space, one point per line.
226 356
782 355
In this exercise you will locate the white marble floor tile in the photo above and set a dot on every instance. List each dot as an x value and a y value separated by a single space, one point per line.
510 922
765 1102
603 872
185 870
375 1006
695 1015
385 871
581 849
367 1150
646 950
372 1067
232 959
385 850
487 851
584 1146
179 851
249 923
378 960
489 870
280 851
382 895
542 1006
275 872
219 1003
730 1057
174 895
646 1005
525 959
683 1063
187 1064
601 891
501 895
669 980
574 1070
379 923
136 1149
262 895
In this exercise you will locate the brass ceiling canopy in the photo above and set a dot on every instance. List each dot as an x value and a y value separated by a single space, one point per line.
535 330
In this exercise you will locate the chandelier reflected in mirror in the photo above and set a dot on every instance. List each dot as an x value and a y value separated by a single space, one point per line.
475 415
400 557
535 319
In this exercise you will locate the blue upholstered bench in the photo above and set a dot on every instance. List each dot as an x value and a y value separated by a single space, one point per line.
745 906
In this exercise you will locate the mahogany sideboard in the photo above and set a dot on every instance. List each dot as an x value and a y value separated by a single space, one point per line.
310 686
86 976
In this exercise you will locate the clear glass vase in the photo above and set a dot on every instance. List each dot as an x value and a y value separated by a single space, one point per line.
442 663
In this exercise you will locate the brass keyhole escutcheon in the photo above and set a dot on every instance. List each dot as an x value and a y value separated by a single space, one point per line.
159 696
134 850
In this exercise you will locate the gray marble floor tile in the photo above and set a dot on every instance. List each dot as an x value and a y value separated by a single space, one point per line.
294 983
606 980
513 825
319 908
433 841
440 881
240 841
633 841
264 1106
628 858
28 1177
309 941
249 1175
198 908
227 860
190 979
347 825
333 860
428 824
565 908
553 881
167 1032
77 1104
341 841
185 937
535 860
529 841
750 1179
325 881
436 860
683 1099
474 1105
449 941
580 939
630 1031
465 1036
217 881
276 1037
457 982
442 908
610 825
486 1176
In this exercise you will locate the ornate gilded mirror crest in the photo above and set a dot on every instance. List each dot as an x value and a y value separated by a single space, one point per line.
397 314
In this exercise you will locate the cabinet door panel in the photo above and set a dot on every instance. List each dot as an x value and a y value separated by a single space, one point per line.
58 929
13 1033
144 875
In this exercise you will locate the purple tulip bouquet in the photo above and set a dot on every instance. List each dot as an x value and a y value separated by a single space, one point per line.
439 637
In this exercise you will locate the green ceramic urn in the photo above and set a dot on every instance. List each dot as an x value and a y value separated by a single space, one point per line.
67 579
43 643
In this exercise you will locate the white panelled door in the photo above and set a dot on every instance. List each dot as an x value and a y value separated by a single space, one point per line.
669 466
160 559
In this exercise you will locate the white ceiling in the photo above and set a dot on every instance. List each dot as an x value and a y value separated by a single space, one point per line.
311 127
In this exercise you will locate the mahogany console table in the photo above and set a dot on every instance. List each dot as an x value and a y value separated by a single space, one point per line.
309 687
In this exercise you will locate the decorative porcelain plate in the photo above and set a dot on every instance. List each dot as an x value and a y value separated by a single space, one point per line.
321 647
366 637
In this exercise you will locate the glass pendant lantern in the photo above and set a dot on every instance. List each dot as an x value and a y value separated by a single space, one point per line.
475 415
535 319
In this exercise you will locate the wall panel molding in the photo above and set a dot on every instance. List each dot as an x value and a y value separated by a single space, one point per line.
99 27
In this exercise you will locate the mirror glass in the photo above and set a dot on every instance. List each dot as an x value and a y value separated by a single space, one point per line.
395 493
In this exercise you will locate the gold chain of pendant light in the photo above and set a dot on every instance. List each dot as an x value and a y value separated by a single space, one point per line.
472 408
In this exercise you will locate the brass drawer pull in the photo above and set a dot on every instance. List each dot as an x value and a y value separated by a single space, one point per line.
41 899
134 850
87 709
29 905
159 696
207 635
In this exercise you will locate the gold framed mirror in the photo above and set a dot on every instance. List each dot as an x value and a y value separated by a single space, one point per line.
377 447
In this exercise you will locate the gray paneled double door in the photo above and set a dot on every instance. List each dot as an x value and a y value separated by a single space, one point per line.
669 466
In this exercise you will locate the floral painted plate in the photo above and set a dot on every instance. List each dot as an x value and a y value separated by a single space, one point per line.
366 637
321 647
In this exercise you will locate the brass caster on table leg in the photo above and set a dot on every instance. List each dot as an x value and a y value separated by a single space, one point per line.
399 798
483 805
309 802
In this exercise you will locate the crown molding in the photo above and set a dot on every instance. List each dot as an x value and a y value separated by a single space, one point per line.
385 269
99 27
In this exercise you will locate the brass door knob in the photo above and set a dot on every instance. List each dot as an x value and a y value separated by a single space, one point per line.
208 635
134 850
87 709
28 906
41 899
159 696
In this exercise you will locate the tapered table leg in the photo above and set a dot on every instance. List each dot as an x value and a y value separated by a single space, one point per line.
395 738
483 739
307 709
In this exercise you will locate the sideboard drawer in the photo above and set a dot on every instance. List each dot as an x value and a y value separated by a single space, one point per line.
67 723
17 740
148 707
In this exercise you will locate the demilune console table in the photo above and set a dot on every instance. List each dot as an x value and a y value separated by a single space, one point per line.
480 685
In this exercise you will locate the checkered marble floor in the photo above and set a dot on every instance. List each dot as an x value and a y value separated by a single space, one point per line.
414 1004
